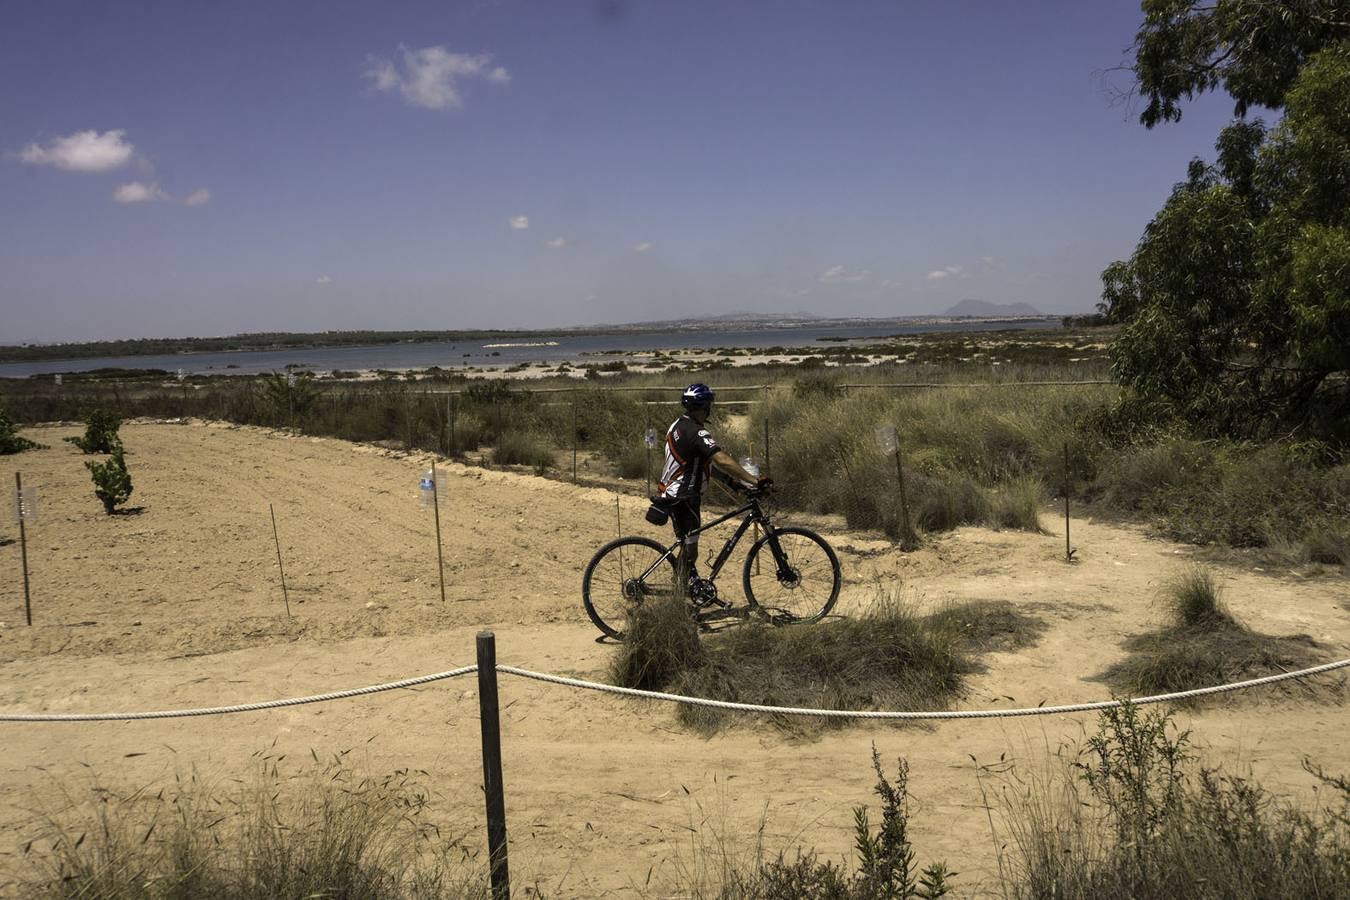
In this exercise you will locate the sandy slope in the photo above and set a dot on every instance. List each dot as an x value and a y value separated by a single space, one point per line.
179 605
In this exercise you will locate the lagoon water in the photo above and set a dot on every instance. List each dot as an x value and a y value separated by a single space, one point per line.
495 352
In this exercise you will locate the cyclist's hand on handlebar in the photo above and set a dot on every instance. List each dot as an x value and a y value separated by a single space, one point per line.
763 484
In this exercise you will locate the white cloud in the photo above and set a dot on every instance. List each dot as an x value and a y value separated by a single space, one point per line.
430 76
83 151
643 247
988 260
199 197
323 279
948 272
139 192
556 243
841 275
519 223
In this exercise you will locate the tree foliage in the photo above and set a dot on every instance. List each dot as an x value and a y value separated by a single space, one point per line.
1235 305
1253 49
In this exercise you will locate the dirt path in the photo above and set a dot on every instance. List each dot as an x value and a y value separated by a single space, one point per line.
179 605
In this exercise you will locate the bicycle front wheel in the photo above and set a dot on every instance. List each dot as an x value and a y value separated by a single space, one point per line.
623 574
801 584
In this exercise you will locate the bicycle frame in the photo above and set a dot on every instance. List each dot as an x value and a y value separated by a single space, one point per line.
755 515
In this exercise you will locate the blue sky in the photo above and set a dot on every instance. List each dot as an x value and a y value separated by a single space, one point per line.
193 168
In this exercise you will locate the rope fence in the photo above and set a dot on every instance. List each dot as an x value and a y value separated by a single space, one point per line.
487 669
582 684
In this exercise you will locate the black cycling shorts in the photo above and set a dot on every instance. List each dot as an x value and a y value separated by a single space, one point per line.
685 517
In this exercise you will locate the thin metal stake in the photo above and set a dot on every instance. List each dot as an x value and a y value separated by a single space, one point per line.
23 550
909 538
436 507
766 432
285 596
488 717
574 442
1068 548
454 406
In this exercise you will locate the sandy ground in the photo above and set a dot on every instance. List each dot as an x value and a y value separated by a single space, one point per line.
179 605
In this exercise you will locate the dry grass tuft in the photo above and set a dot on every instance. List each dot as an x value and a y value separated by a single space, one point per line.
325 832
890 658
1203 645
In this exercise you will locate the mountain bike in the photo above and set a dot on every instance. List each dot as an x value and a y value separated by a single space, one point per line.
791 575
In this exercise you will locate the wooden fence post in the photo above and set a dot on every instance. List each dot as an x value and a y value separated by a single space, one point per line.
488 716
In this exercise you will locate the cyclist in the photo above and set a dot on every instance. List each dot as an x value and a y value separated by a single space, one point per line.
690 451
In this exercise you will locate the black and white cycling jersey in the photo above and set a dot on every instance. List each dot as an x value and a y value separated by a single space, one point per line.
689 447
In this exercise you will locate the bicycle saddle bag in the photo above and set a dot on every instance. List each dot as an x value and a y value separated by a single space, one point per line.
659 512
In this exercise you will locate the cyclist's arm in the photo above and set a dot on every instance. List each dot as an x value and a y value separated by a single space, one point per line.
723 461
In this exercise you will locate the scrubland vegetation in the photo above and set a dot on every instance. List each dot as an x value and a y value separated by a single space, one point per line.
1132 811
981 455
891 657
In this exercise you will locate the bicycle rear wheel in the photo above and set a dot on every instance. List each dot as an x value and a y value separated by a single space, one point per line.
622 574
805 587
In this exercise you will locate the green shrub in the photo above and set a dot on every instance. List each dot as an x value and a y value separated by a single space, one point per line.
941 505
10 441
100 432
520 448
1138 817
112 482
1017 504
886 868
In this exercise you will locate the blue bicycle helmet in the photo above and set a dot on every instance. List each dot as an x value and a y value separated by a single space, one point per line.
697 394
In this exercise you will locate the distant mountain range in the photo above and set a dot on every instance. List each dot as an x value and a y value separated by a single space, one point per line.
982 309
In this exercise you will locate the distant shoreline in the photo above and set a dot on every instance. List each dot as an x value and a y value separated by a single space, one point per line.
265 341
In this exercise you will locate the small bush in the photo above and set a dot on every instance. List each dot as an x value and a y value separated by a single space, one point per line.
10 441
942 505
886 860
1137 817
112 482
1017 504
660 642
1193 599
816 384
1202 645
520 448
100 433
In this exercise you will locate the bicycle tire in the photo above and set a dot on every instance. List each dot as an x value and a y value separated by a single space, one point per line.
608 608
793 597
